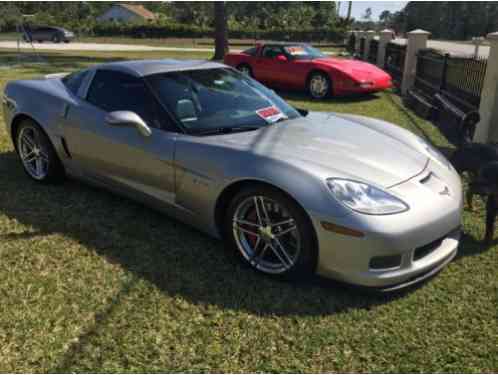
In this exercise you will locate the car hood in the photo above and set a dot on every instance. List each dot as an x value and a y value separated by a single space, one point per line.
335 147
358 69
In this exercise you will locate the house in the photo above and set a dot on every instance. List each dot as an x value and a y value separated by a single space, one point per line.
127 13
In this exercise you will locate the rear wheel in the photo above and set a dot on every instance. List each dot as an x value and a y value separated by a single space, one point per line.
271 233
319 85
38 157
246 69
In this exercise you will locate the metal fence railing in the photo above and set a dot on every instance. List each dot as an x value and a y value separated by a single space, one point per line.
448 89
459 78
372 51
395 61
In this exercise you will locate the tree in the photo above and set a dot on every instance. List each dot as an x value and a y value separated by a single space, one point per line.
385 18
350 6
220 33
368 14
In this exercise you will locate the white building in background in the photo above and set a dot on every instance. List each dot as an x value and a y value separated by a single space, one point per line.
126 13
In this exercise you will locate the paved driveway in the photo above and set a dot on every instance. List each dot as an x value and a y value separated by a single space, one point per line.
96 47
454 48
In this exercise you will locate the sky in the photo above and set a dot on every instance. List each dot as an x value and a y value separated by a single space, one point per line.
377 7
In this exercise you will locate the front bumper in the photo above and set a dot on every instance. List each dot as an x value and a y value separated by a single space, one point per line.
417 243
375 86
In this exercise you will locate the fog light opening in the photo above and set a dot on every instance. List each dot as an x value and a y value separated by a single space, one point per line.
384 263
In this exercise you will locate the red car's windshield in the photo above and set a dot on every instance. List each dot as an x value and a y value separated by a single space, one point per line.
303 52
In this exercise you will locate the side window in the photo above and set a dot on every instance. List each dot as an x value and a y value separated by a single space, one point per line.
251 51
272 51
74 81
116 91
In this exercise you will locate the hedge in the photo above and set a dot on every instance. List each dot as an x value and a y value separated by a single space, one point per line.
177 30
191 31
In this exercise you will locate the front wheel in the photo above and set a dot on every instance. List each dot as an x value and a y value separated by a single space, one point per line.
319 85
271 233
38 157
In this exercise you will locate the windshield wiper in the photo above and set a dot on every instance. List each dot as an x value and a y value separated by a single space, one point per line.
226 130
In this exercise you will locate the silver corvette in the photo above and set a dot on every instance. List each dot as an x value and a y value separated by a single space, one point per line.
292 193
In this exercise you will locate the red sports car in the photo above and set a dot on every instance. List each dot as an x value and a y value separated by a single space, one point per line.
300 66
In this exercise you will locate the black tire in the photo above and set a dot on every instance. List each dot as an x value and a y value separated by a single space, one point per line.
319 94
245 68
305 261
55 170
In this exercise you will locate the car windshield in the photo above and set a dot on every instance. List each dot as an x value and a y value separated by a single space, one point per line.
304 52
219 98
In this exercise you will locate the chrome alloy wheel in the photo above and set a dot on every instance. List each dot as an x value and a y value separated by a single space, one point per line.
33 153
319 86
266 235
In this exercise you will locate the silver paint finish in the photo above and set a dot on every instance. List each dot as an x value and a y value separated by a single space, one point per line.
185 175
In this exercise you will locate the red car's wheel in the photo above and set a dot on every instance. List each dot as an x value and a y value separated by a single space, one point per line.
319 85
246 69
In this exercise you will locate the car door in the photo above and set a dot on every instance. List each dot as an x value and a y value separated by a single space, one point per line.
35 34
120 156
267 68
43 34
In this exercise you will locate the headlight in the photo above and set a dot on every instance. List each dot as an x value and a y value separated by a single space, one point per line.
365 198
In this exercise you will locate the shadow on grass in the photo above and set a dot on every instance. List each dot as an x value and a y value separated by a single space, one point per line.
174 257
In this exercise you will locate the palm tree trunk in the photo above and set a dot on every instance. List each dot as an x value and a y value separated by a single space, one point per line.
220 33
350 5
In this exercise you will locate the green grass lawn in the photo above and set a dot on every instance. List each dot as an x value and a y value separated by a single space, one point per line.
93 282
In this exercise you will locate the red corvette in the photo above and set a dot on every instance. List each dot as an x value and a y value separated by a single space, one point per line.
302 67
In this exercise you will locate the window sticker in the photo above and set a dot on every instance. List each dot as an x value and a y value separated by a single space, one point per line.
270 114
295 51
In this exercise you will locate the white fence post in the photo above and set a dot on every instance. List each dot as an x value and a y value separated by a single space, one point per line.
487 129
417 39
385 37
348 36
358 34
368 37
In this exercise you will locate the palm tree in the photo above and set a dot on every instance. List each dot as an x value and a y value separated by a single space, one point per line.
220 33
350 5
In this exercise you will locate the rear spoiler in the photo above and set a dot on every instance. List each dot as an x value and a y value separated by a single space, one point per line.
55 75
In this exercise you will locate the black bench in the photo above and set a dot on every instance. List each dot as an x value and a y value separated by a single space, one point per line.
466 120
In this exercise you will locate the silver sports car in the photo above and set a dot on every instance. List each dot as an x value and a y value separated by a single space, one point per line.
292 193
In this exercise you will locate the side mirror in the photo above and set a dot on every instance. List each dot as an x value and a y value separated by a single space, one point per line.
185 110
128 118
281 58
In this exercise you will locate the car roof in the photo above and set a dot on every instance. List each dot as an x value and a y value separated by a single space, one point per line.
48 27
283 44
142 68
